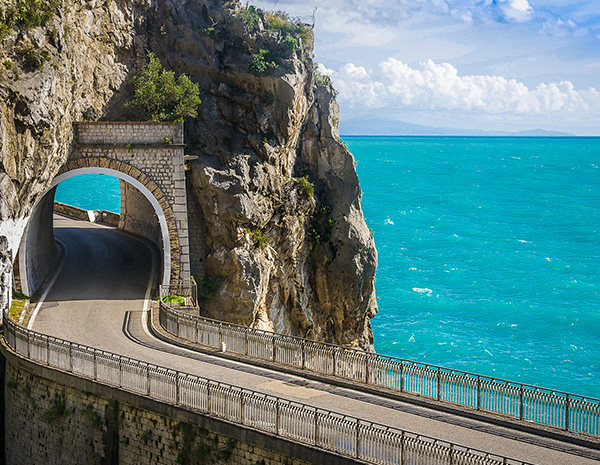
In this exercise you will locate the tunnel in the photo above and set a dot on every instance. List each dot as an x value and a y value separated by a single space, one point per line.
141 214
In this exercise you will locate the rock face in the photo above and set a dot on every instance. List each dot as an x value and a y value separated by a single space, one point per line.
277 235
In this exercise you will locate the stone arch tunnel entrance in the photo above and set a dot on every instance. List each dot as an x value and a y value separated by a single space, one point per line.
148 160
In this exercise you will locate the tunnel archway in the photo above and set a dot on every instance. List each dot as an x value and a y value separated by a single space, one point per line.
37 247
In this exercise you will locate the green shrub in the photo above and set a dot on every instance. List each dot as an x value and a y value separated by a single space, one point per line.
280 20
178 299
290 44
252 17
161 96
307 186
260 63
208 287
26 14
259 239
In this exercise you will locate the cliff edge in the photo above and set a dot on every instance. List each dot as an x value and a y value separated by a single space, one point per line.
277 235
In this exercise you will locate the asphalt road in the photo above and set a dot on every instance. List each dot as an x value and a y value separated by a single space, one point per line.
98 300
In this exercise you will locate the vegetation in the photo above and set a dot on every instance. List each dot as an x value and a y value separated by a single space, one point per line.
18 303
321 79
252 17
58 409
208 287
26 14
177 299
258 238
261 62
307 187
163 97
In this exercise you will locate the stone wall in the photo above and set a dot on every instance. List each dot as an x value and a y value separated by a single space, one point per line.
39 260
137 215
129 132
54 418
156 150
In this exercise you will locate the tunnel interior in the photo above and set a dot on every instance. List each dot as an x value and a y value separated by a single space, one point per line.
39 254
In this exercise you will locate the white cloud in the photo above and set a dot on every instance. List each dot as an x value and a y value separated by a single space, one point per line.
435 86
518 11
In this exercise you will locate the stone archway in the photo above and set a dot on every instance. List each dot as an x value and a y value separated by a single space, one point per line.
149 189
147 156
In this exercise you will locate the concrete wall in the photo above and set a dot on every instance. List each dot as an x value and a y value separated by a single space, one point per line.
55 418
41 252
138 216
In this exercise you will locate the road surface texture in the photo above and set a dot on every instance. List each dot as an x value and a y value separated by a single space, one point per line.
98 300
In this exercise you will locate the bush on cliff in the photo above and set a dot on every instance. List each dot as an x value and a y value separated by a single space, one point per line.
163 97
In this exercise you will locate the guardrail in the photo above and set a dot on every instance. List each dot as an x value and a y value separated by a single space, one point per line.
334 432
186 289
571 412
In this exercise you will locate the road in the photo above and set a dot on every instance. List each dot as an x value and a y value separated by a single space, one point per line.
98 300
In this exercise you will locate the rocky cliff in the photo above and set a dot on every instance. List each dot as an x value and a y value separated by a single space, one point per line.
278 238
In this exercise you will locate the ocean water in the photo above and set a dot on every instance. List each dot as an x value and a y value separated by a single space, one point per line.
489 254
90 192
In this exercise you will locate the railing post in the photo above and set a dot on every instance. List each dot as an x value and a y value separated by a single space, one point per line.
47 349
316 427
208 409
220 335
120 372
277 413
334 362
478 392
439 383
176 388
451 454
521 409
148 378
367 369
402 448
303 354
401 375
567 406
246 341
71 357
196 332
242 406
28 336
357 438
95 366
274 348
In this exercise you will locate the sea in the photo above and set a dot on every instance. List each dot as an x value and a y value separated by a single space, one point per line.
489 252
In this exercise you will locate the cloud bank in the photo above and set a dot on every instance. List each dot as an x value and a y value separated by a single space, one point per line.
438 86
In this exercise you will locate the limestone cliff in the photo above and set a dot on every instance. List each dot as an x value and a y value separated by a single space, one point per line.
278 238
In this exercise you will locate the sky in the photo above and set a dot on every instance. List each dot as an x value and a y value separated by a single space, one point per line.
486 65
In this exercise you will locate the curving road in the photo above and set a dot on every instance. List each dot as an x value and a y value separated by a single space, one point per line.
98 299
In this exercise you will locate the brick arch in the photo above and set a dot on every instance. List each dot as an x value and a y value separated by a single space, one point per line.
149 188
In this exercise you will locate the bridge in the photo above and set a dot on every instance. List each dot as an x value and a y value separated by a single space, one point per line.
110 352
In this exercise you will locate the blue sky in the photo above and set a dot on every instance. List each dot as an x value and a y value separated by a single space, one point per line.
506 65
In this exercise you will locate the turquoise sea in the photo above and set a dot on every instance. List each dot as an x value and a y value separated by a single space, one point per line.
489 252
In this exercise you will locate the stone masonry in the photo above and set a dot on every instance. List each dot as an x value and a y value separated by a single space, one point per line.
71 422
152 153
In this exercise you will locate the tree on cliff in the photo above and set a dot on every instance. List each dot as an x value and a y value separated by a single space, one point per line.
163 97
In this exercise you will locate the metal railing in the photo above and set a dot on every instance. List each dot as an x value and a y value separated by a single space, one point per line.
334 432
571 412
187 289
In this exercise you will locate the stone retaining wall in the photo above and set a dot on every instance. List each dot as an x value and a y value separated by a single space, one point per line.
56 418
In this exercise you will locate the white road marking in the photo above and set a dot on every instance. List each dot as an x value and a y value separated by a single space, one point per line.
45 294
